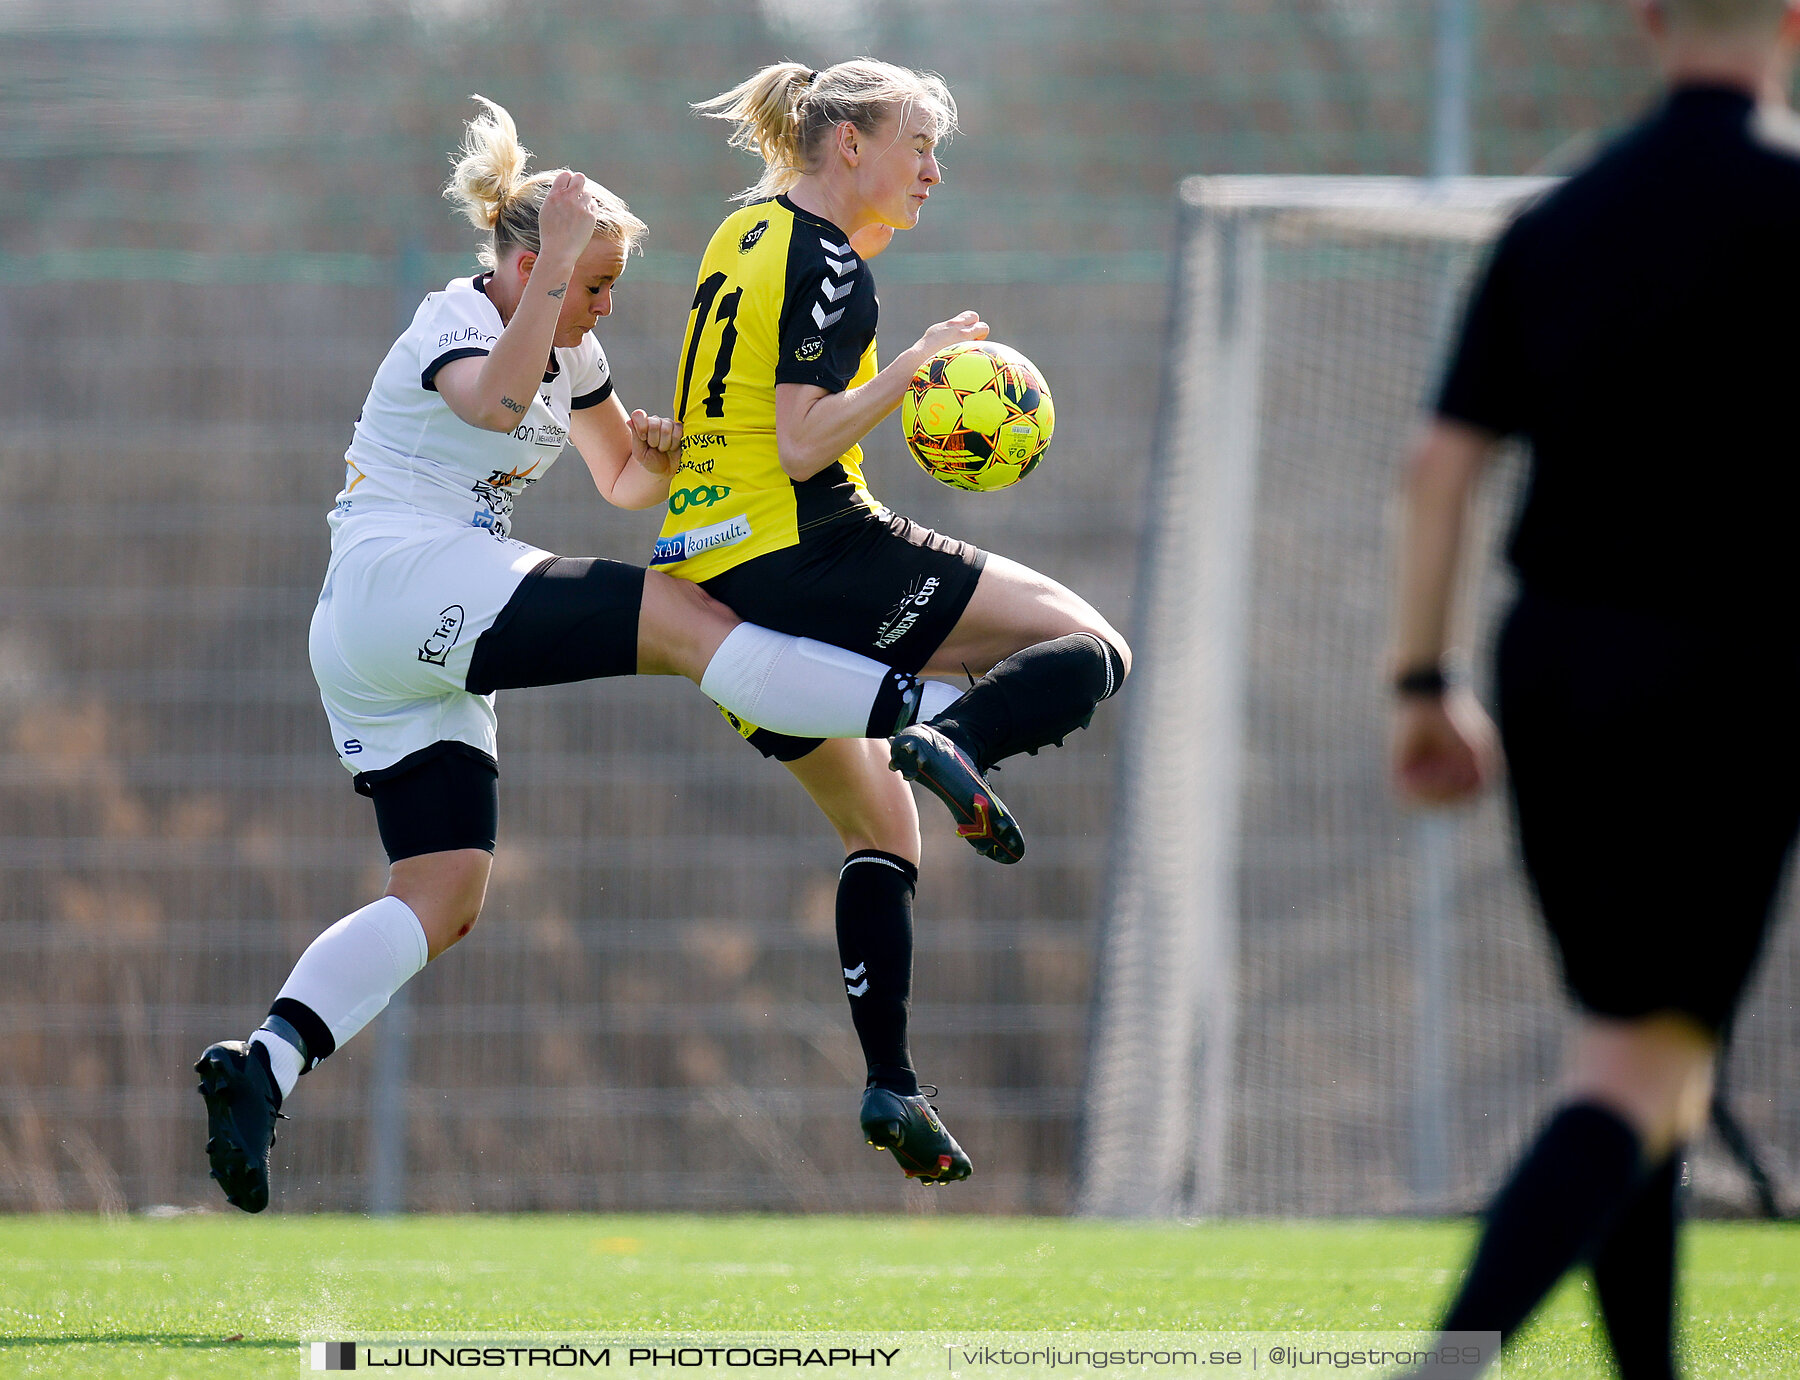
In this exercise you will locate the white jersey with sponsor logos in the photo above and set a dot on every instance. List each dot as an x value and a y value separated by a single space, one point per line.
413 462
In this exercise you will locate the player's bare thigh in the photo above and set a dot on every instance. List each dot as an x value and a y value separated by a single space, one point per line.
680 627
868 804
1014 607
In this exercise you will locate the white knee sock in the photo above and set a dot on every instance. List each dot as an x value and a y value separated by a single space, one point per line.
347 975
937 696
809 689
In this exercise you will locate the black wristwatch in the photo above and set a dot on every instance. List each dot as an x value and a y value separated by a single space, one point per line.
1422 682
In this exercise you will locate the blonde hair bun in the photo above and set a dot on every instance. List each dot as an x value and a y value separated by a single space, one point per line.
488 184
489 166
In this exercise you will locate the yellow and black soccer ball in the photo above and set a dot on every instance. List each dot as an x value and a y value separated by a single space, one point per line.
978 416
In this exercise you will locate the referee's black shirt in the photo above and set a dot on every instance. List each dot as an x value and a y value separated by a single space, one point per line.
1640 328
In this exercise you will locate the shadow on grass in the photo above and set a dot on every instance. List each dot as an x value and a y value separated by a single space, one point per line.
171 1339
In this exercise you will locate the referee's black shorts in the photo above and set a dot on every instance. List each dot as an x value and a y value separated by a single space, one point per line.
1655 773
870 582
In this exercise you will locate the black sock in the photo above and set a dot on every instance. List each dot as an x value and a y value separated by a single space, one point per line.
1634 1275
1560 1202
875 944
1034 697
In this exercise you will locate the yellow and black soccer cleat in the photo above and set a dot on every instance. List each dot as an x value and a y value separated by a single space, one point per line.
926 755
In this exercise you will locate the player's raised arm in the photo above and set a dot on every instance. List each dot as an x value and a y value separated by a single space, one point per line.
494 392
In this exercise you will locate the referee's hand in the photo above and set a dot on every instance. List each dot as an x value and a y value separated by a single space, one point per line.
1444 748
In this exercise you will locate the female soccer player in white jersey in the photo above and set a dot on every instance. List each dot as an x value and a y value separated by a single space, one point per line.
430 606
777 386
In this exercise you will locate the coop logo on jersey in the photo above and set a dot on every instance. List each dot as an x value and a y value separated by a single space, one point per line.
751 236
684 546
703 497
809 349
436 647
906 613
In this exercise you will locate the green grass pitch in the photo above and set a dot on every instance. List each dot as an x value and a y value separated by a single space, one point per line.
131 1299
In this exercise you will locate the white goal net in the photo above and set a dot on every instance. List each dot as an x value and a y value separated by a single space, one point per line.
1309 1001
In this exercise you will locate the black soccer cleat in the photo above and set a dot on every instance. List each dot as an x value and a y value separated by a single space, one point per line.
243 1104
927 755
910 1128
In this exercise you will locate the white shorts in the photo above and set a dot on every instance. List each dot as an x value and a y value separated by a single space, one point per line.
392 636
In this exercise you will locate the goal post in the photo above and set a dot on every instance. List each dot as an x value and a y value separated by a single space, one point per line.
1259 879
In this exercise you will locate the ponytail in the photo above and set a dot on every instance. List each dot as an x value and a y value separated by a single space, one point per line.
785 112
763 109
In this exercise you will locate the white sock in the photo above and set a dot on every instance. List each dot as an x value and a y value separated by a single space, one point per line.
804 688
284 1060
347 975
938 696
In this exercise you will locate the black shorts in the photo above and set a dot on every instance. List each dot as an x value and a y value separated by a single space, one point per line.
1655 773
442 797
875 583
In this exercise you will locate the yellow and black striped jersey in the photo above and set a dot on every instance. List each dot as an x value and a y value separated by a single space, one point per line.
782 298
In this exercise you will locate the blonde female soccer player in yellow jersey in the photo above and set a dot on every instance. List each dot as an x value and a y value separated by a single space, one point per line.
769 513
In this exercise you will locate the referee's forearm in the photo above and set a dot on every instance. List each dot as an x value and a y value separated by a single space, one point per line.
1440 480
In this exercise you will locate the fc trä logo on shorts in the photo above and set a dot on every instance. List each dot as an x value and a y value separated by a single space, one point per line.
436 647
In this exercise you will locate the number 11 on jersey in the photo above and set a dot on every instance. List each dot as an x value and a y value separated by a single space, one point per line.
728 306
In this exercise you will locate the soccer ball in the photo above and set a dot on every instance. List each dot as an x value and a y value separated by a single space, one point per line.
977 416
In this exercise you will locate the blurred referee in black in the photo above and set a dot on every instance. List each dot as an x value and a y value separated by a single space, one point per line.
1639 329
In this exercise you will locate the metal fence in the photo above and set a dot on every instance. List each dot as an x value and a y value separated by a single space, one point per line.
219 213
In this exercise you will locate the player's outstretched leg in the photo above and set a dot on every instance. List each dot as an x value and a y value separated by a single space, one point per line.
242 1106
1053 659
1030 699
911 1129
1033 698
